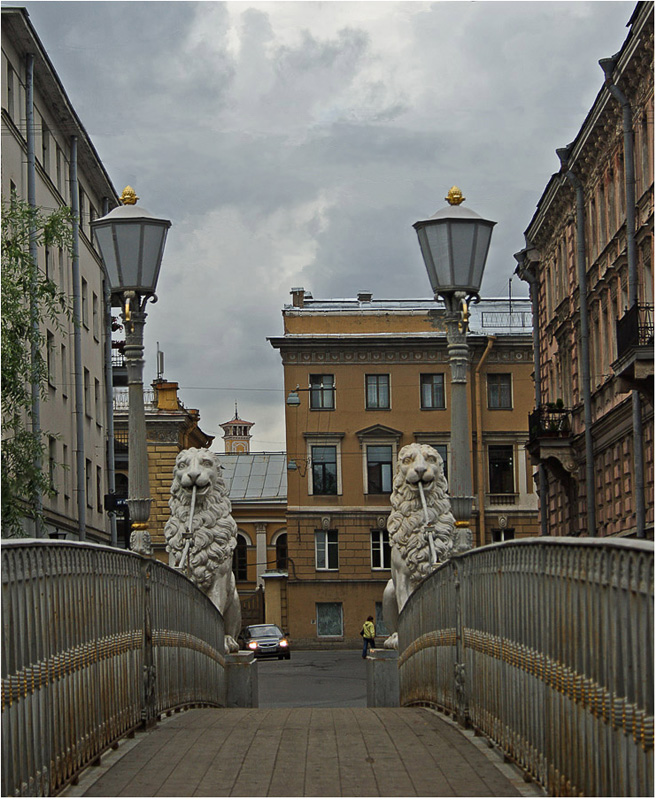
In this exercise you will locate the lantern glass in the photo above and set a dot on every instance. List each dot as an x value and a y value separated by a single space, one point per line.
454 244
131 244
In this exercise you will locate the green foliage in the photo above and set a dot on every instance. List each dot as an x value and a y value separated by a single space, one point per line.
28 295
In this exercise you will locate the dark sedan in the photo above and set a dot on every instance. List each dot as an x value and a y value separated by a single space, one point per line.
265 641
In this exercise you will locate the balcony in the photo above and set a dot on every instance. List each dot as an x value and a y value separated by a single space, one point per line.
550 433
635 365
119 369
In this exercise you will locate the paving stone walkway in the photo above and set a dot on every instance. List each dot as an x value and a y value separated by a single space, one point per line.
303 752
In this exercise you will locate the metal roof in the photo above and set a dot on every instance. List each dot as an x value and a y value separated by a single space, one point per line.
495 315
255 476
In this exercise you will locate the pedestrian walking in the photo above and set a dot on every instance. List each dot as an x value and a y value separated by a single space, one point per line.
368 632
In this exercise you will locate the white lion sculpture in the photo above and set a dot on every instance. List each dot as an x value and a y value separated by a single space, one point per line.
201 534
421 528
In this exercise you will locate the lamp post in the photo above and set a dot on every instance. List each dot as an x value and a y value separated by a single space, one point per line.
131 245
454 244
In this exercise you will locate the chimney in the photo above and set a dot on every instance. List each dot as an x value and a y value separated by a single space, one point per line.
364 297
166 395
298 295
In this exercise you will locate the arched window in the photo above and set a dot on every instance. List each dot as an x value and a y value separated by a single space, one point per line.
239 559
281 552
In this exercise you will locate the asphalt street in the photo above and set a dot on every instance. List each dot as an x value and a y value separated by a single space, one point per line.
313 679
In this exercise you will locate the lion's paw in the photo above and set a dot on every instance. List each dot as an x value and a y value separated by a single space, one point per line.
230 645
391 642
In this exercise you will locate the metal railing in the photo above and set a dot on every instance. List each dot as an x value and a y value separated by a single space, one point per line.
635 329
122 399
546 648
97 642
550 421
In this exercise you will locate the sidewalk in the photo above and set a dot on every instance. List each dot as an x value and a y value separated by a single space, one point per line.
303 752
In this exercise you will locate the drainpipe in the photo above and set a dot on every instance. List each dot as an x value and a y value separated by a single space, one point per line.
564 154
608 65
78 412
528 273
480 443
109 396
35 406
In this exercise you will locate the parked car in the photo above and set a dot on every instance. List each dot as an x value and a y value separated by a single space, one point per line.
265 641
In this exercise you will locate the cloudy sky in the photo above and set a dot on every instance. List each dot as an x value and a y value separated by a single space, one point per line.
295 143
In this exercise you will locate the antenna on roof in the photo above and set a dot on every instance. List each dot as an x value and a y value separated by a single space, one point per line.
160 363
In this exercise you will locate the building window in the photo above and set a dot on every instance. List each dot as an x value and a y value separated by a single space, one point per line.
45 147
85 303
11 90
239 559
326 550
88 479
329 619
59 158
50 358
325 469
322 392
432 391
66 472
94 316
64 360
380 550
99 489
377 391
97 400
500 469
52 463
87 392
499 390
506 535
379 469
281 552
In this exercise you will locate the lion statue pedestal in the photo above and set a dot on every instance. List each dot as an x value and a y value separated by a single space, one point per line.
422 528
201 534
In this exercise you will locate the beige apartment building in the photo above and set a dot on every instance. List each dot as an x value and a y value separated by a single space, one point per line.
366 377
589 260
46 148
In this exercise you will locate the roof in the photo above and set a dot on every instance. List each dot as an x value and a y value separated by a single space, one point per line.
255 476
494 315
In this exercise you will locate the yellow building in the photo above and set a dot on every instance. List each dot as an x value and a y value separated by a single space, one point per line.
170 428
371 376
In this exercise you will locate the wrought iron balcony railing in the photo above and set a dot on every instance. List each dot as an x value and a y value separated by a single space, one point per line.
635 329
550 421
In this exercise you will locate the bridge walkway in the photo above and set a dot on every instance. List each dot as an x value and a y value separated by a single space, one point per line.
303 752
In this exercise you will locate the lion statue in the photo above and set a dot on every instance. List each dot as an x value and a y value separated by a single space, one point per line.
201 534
421 528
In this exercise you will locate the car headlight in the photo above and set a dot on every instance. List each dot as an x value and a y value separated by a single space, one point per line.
252 645
283 643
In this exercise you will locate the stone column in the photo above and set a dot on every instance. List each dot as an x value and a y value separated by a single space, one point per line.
139 501
460 468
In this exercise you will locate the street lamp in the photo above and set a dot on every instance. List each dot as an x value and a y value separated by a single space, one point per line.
131 245
454 244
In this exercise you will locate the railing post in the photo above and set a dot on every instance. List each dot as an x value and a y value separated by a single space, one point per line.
148 714
460 677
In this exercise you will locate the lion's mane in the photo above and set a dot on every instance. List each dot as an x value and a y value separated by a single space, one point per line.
215 531
406 524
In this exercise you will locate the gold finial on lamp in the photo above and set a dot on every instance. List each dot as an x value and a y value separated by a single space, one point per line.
129 196
455 196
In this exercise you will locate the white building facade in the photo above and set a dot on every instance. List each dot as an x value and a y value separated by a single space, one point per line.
54 157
